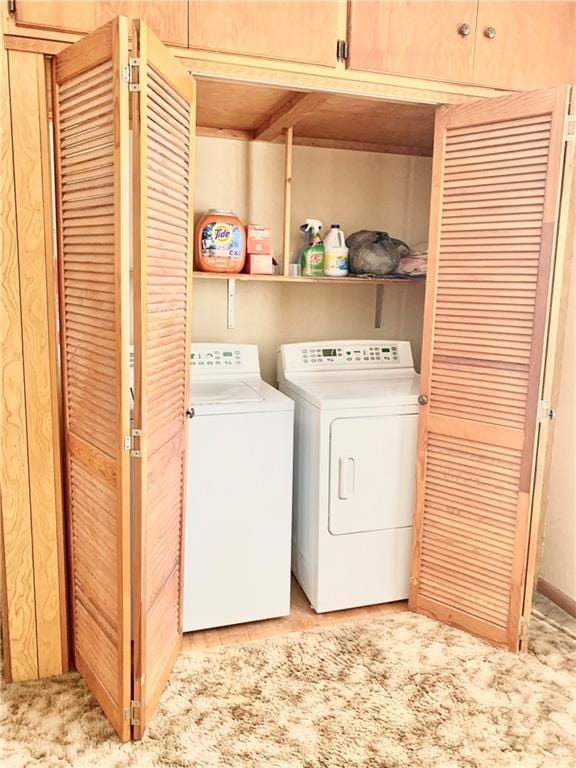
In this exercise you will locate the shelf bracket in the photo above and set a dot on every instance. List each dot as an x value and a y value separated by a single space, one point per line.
378 306
231 304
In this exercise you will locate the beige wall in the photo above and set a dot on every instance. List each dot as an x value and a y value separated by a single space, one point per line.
355 189
559 557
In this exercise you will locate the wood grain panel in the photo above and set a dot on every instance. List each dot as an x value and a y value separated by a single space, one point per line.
33 200
533 47
487 309
18 603
163 119
418 39
93 230
169 18
294 31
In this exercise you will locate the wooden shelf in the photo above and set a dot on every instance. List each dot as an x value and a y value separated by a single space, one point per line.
317 280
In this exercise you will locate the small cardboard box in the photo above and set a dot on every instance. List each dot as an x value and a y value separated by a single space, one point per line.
259 239
259 264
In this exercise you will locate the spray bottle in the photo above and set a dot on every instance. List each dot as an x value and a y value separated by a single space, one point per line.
313 253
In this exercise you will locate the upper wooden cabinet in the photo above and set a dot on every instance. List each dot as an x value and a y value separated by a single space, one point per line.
292 31
413 38
499 44
525 44
167 18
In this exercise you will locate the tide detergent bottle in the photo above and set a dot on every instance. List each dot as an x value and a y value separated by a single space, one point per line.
312 260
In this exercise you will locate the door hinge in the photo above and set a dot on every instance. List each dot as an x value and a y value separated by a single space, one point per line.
524 629
130 712
136 453
341 50
130 443
570 134
11 7
131 74
545 413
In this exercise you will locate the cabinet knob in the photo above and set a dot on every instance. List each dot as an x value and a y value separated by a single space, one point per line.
190 413
490 33
464 30
422 399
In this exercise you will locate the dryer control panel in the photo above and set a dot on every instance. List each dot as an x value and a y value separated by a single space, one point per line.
347 355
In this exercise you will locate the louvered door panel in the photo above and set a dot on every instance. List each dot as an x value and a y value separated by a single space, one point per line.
163 114
497 174
91 166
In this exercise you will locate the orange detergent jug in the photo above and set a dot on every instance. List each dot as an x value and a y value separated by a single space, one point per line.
220 242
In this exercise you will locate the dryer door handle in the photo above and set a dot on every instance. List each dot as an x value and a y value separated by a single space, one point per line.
346 477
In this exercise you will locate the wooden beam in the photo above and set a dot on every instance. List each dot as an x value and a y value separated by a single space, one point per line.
224 133
287 200
362 146
289 114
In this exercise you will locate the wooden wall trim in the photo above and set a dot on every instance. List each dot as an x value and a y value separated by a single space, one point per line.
31 470
556 333
292 75
561 599
19 609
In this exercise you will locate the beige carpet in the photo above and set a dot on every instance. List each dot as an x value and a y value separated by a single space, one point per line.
398 692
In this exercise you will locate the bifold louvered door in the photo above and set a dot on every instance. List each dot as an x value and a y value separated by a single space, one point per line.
125 569
163 118
91 137
498 172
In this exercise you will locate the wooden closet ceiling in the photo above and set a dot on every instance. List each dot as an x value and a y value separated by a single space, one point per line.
261 113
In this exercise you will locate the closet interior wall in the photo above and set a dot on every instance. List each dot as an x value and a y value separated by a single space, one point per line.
358 190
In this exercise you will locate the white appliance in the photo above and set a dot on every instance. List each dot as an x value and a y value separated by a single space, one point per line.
239 491
354 468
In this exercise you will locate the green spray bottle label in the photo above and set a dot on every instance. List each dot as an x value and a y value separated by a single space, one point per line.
313 254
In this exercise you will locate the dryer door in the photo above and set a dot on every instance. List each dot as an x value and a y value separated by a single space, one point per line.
372 473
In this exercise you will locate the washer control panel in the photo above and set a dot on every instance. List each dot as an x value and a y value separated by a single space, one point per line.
224 358
325 355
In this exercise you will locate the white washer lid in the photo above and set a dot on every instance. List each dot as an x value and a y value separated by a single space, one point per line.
237 395
213 392
350 392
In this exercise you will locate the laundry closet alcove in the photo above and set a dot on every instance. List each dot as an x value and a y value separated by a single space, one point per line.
499 229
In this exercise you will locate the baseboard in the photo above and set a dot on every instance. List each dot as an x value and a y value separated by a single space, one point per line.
561 599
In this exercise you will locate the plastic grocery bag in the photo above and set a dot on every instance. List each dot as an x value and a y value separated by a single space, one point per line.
375 253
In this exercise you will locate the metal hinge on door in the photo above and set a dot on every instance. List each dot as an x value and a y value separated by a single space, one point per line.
11 7
545 413
130 442
341 50
570 128
131 74
136 453
524 629
130 712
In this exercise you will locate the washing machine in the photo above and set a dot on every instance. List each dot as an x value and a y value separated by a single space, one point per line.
239 491
356 413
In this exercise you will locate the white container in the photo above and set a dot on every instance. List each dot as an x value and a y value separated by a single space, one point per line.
335 253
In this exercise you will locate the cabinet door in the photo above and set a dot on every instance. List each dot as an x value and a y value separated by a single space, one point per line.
534 44
168 19
417 39
293 31
91 168
499 168
163 118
